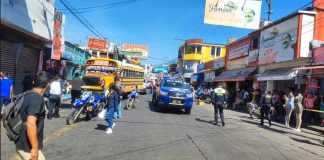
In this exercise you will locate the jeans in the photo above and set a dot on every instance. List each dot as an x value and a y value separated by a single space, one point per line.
266 112
118 112
4 101
109 116
53 108
218 108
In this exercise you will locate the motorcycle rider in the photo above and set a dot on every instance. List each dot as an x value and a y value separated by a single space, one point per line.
219 100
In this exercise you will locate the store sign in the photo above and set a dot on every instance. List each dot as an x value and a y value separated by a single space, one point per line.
237 63
74 54
235 13
318 55
58 42
253 57
209 76
219 63
239 49
137 49
97 44
278 42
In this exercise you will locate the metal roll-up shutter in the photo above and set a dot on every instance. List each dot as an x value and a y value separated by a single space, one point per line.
7 58
27 65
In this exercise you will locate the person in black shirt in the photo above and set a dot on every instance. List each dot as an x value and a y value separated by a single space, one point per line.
30 143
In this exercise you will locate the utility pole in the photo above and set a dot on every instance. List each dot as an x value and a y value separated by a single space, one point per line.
269 4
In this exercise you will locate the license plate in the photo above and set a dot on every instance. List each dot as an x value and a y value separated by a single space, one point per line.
177 101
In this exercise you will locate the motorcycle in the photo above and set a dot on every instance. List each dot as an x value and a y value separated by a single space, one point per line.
90 104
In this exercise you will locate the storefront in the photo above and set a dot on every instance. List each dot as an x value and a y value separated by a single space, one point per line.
74 59
213 69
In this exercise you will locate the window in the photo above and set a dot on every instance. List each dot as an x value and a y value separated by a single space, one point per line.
198 49
190 49
212 52
218 51
255 44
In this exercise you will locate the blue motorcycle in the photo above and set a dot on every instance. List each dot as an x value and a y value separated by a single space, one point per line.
90 104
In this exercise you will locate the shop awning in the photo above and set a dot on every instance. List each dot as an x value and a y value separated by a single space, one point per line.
310 67
278 74
235 75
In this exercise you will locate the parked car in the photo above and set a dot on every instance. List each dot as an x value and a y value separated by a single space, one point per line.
174 93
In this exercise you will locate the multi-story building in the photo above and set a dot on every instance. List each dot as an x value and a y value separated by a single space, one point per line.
26 33
194 52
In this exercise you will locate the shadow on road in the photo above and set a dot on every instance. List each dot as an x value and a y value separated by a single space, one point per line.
164 109
101 127
205 121
305 141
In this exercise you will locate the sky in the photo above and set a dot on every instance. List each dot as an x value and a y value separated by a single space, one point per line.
160 24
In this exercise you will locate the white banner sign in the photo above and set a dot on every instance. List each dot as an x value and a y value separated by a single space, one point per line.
234 13
278 42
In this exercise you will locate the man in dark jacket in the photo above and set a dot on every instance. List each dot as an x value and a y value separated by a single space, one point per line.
219 99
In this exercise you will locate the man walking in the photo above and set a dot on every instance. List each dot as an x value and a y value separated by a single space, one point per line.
266 103
30 143
55 98
219 100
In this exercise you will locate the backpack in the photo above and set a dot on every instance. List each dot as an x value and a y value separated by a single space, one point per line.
12 121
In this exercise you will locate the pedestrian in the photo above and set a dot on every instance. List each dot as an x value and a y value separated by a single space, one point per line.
76 83
219 100
118 113
275 105
113 100
290 106
27 83
299 110
266 102
6 90
30 143
55 93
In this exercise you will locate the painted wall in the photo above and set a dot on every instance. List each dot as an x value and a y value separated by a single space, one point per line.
32 16
307 32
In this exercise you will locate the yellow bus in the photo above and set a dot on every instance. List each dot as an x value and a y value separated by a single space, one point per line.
101 72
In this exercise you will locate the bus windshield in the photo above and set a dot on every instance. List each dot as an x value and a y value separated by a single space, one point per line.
100 66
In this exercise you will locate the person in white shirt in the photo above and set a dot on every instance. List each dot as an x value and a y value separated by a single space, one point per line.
55 93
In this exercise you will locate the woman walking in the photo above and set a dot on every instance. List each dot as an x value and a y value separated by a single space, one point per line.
299 110
289 105
112 105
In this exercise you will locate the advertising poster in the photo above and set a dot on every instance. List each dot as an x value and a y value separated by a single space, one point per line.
137 49
239 49
97 44
278 42
58 41
234 13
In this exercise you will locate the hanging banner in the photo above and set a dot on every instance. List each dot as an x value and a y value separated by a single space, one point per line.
58 42
234 13
98 44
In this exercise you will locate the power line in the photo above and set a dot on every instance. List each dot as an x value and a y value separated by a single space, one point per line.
82 20
102 6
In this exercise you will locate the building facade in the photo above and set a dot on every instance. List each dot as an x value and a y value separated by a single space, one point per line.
194 52
26 33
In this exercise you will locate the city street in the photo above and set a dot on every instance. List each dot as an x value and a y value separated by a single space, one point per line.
145 134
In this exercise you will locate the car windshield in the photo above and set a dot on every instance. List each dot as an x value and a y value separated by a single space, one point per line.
175 84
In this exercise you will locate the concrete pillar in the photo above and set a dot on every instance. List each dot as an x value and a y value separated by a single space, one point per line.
270 85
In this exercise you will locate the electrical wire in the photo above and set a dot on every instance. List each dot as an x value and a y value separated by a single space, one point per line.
82 20
101 7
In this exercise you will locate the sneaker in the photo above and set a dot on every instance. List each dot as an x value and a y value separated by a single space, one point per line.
223 124
109 131
297 130
113 125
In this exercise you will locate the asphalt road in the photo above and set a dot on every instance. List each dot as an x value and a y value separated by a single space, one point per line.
147 134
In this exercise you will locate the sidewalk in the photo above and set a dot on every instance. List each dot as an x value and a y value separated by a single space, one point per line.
310 140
